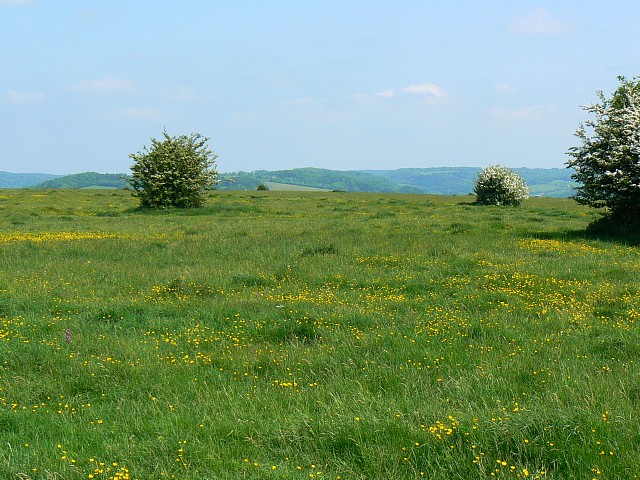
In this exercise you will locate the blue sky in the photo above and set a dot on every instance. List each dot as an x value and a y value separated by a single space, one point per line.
278 84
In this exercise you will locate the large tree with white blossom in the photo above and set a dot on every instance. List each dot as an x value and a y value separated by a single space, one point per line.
607 163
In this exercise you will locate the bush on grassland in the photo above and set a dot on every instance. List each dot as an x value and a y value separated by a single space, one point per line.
174 172
496 185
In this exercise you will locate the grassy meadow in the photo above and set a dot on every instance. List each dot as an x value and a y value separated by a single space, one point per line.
298 335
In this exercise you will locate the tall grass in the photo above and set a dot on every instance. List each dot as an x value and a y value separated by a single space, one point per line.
314 335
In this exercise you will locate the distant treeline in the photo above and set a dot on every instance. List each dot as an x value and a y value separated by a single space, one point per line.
87 180
348 181
21 180
549 182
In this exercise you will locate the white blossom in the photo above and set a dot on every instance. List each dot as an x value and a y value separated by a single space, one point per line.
496 185
174 172
607 163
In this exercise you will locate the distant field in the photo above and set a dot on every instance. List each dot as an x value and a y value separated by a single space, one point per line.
316 335
286 187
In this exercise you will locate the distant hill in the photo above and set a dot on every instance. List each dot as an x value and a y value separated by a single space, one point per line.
439 181
349 181
22 180
548 182
86 180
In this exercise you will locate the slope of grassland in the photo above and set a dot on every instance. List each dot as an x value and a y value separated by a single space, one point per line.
314 335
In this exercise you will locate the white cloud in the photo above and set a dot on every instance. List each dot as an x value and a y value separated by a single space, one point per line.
426 89
429 91
386 94
539 22
103 85
24 98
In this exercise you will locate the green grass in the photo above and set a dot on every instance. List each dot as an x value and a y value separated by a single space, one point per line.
314 335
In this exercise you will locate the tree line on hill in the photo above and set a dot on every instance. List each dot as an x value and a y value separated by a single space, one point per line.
86 180
553 182
22 180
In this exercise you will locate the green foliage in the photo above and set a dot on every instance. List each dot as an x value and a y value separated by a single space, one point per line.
262 187
498 185
174 172
239 181
607 163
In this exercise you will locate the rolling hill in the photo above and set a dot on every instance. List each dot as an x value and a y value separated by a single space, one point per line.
87 180
554 182
22 180
548 182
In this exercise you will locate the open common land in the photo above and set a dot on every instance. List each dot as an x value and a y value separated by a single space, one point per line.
314 335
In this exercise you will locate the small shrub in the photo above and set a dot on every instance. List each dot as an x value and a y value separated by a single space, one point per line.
320 250
262 187
498 185
174 172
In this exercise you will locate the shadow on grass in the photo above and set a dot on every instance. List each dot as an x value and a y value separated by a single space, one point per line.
605 229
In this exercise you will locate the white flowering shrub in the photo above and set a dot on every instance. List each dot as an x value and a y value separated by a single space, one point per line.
607 163
173 172
496 185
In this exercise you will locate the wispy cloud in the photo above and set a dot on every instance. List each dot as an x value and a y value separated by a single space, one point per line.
302 102
429 91
520 114
539 22
139 113
24 98
174 93
101 86
505 88
386 94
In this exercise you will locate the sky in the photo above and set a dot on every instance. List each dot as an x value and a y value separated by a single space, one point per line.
281 84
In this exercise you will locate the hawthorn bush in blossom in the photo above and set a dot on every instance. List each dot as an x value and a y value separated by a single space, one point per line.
496 185
174 172
607 163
